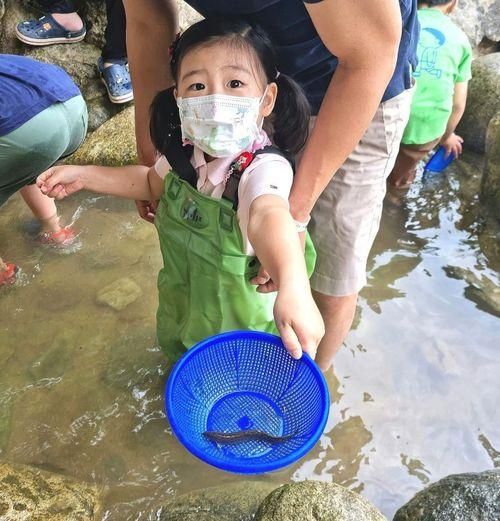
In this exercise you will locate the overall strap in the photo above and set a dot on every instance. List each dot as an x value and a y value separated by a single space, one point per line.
239 166
178 157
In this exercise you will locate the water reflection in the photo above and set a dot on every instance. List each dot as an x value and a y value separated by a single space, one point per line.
414 394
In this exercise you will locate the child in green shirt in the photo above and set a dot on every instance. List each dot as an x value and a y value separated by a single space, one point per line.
442 74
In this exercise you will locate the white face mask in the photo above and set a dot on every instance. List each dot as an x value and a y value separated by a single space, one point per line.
220 125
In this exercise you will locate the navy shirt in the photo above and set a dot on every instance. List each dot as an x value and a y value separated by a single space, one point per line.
27 87
301 52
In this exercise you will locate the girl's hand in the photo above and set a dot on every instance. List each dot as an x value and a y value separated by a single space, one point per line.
298 320
453 145
60 181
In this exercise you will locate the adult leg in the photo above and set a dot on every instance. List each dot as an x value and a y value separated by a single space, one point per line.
64 13
115 49
35 146
345 222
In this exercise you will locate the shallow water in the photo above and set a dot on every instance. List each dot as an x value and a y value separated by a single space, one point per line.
415 389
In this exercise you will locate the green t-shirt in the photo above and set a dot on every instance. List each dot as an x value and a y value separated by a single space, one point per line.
444 58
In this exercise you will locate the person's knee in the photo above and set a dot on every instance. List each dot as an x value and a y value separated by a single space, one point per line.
329 304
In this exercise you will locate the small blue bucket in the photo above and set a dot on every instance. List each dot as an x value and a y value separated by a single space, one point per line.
241 384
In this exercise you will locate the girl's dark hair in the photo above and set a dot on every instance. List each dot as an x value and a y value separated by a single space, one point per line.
290 117
432 3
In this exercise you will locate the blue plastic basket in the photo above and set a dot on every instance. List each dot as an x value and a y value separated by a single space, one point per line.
246 380
438 162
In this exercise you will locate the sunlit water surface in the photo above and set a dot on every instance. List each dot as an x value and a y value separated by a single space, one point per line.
414 395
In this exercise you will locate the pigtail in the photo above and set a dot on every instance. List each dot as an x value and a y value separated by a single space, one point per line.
290 116
164 123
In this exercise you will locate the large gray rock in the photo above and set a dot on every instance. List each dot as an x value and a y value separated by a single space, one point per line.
477 18
316 501
30 493
490 188
2 9
460 497
77 59
491 22
483 101
14 12
232 502
112 144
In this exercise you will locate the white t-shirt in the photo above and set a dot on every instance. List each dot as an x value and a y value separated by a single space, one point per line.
267 174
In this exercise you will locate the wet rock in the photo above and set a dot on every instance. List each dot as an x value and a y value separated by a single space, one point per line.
112 144
459 497
483 101
235 501
2 9
490 188
120 293
5 424
14 12
99 107
491 22
78 59
55 360
316 501
94 14
30 493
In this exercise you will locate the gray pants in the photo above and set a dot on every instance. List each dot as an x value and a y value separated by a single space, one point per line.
36 145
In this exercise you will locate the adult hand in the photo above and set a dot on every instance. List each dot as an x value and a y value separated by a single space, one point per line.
298 320
147 210
453 145
60 181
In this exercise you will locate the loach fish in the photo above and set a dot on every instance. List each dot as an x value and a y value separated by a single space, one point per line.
250 434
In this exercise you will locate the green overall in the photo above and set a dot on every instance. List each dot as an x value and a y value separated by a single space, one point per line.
204 286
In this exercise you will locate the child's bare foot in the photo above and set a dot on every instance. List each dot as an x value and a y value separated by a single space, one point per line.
8 272
57 239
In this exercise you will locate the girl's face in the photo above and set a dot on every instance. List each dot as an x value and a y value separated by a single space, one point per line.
221 69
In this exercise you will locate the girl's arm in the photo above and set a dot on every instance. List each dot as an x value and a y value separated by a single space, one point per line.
131 182
272 234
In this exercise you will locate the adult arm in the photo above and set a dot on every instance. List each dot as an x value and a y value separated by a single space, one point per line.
451 141
273 236
151 28
365 36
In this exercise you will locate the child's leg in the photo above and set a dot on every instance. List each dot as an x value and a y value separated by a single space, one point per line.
42 206
405 168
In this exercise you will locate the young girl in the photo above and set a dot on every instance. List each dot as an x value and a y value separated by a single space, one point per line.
223 191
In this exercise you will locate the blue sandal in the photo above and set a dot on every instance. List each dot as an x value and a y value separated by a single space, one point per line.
116 79
47 31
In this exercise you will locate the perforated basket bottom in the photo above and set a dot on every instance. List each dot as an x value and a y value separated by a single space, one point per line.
242 411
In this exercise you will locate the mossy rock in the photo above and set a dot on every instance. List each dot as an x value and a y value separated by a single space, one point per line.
31 493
